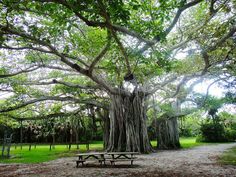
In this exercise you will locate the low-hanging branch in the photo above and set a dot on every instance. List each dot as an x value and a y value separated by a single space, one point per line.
68 84
25 48
40 117
53 98
27 70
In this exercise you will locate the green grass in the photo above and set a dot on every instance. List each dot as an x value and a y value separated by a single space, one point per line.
42 153
228 157
185 142
189 142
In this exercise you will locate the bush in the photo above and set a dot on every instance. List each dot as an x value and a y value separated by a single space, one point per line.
213 132
230 134
216 132
185 132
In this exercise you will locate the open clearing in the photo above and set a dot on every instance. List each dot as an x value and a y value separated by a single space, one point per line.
198 161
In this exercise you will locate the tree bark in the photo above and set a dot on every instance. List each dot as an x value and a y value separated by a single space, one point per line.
168 135
128 129
106 128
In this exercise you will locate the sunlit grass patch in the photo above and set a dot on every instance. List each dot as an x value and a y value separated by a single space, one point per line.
189 142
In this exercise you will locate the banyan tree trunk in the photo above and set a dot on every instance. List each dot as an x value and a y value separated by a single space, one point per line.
128 129
106 128
168 135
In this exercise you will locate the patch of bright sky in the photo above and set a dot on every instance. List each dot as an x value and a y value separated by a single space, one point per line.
214 90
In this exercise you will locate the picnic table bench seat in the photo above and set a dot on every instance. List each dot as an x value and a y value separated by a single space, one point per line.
102 158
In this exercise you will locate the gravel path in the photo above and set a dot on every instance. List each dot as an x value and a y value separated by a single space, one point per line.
198 161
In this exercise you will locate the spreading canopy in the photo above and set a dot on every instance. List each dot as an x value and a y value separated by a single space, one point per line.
80 52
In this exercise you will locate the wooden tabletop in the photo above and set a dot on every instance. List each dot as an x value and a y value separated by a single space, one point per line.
107 153
91 153
119 153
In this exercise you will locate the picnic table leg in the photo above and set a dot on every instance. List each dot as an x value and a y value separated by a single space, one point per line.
80 160
131 160
77 164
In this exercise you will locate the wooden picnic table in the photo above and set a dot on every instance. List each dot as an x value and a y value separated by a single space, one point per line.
102 157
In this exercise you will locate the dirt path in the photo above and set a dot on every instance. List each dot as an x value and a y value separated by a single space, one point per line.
199 161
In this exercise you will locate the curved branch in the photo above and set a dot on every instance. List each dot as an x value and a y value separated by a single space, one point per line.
100 55
214 47
208 88
54 81
177 16
54 98
172 25
27 70
24 48
132 33
40 117
123 51
161 85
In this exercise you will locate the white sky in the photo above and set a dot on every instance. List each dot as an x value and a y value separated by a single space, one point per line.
214 90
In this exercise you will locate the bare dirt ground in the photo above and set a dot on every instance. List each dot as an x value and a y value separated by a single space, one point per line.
199 161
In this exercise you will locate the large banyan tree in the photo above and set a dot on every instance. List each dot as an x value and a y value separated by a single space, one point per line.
109 52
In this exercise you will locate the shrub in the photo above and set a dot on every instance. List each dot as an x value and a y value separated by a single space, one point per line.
216 132
186 132
230 134
213 132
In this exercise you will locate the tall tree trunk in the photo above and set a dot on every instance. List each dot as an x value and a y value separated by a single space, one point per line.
168 135
128 129
106 129
76 130
93 122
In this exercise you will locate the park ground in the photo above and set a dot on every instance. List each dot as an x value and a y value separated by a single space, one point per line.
200 160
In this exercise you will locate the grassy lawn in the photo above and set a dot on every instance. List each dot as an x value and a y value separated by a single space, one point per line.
228 157
186 142
42 153
189 142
